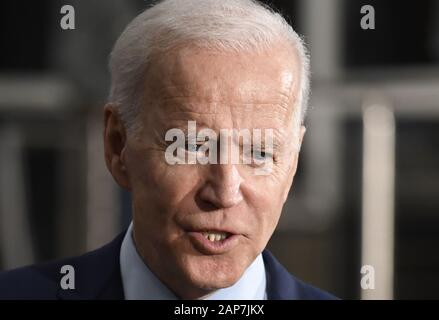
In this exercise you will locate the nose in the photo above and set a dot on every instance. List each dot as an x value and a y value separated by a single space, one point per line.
223 186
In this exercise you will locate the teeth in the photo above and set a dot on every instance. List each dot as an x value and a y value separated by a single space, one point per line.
214 236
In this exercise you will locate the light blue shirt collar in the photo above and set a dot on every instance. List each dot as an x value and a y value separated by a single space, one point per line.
139 283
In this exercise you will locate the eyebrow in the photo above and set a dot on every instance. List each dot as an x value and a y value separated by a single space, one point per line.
276 145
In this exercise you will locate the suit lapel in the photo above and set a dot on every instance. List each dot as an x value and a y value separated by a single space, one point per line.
97 276
280 284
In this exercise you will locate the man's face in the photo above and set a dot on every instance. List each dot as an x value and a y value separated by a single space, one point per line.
175 205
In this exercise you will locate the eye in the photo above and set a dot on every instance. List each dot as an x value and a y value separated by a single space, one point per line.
192 147
260 157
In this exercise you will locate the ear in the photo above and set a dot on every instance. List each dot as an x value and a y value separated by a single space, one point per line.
115 143
293 168
301 135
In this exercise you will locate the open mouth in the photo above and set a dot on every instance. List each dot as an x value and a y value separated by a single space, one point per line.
213 241
216 236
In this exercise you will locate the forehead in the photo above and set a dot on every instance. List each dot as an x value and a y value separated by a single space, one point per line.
246 89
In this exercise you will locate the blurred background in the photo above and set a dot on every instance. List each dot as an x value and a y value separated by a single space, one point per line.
367 187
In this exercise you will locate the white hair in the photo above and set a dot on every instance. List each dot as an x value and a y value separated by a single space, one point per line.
236 25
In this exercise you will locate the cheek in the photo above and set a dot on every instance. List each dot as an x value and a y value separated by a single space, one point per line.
173 185
154 178
265 201
162 192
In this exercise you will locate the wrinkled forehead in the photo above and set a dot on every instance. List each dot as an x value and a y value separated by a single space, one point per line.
253 87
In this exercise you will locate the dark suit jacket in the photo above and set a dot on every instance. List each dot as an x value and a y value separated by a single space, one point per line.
97 276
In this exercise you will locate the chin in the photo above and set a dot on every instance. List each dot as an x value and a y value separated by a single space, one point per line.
216 271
